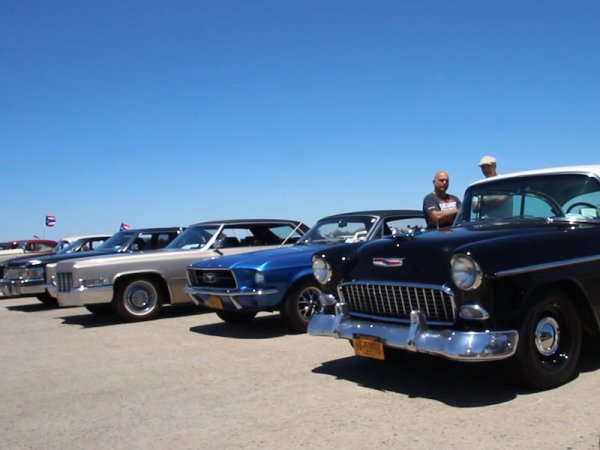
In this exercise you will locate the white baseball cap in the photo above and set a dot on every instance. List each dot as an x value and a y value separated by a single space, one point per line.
487 160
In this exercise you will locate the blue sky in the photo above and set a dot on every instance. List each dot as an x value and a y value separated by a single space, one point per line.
159 113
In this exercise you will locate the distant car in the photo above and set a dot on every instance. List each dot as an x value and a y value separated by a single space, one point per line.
517 277
26 276
136 286
15 248
237 287
87 242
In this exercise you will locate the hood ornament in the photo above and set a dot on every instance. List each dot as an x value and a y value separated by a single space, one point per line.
388 262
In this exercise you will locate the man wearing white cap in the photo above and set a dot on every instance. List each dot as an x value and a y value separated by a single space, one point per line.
488 166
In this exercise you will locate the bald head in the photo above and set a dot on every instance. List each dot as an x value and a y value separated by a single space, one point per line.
441 181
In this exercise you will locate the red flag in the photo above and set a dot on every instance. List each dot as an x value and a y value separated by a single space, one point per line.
50 221
124 226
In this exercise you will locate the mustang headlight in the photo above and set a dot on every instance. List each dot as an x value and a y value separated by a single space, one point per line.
321 270
466 273
259 278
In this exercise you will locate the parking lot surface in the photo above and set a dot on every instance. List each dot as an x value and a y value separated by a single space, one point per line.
187 380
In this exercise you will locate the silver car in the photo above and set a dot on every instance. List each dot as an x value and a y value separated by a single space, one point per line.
136 286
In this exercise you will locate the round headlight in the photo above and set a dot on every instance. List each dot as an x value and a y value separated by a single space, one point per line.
321 270
466 273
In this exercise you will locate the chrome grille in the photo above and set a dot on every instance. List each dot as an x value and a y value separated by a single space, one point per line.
396 301
212 278
64 281
12 273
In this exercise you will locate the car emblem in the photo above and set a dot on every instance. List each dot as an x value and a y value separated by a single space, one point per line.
388 262
209 277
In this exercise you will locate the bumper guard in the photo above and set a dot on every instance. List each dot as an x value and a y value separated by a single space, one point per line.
418 337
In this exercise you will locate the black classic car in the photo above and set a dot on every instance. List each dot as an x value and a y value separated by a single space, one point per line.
516 277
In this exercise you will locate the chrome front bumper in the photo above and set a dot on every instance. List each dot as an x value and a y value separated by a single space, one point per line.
418 337
85 296
22 287
240 299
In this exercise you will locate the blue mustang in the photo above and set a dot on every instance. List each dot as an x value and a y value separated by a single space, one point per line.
237 287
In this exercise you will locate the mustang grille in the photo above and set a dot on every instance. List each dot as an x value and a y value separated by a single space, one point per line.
64 281
212 278
393 301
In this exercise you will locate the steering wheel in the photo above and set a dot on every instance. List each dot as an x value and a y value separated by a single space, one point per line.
575 205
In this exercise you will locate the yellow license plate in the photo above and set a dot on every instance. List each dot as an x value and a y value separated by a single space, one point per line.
368 346
215 302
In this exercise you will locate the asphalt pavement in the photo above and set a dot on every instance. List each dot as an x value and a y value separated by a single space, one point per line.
69 379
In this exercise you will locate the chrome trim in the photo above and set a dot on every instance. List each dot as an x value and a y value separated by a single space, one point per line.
86 295
547 266
388 262
28 286
191 290
400 302
417 337
483 314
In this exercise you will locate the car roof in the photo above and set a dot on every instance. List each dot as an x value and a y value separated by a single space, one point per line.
33 241
379 213
591 169
84 236
153 230
247 221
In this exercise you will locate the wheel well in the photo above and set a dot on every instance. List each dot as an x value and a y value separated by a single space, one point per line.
299 281
589 321
160 282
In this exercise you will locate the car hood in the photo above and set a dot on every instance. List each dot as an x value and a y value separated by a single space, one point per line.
425 258
278 258
42 260
129 257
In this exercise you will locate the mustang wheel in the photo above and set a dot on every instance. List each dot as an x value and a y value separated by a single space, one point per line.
300 305
138 299
235 316
549 341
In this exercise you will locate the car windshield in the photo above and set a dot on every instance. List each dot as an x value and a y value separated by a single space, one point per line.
118 241
339 229
72 247
194 237
563 196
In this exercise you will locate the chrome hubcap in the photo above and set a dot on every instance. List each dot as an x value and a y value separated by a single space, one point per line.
547 336
140 298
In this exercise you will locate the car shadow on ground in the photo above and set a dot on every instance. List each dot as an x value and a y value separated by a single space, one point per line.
89 320
32 307
262 327
462 385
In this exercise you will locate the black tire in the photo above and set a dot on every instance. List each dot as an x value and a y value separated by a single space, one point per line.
235 316
137 299
47 299
99 309
549 341
300 305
